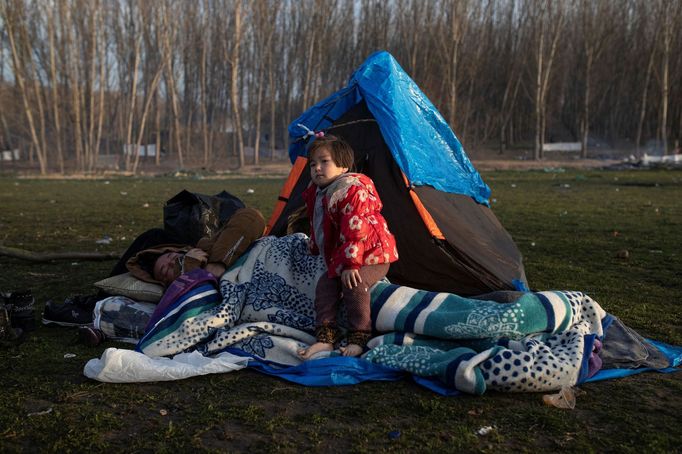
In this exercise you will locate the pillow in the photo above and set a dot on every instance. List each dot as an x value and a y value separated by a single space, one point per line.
132 287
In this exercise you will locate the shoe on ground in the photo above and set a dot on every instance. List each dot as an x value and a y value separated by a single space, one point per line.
75 311
7 331
21 309
90 336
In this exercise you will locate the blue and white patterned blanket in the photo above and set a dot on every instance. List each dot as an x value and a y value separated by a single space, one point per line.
539 342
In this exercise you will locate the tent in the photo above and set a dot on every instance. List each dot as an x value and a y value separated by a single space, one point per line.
435 201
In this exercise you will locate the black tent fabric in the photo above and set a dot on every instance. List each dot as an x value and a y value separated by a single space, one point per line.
476 256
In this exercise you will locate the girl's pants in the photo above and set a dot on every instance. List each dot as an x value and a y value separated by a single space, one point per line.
357 301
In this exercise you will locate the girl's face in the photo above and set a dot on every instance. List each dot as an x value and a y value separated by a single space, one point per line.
323 169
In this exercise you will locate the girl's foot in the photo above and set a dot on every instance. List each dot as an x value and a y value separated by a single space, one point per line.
351 350
307 353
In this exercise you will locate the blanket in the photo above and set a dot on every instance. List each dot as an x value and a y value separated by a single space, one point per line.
538 342
266 309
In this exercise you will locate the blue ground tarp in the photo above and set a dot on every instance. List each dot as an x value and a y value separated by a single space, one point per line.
340 371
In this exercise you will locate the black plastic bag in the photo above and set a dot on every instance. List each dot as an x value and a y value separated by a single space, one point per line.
189 216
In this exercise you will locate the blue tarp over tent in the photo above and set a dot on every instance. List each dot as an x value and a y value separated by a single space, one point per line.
422 143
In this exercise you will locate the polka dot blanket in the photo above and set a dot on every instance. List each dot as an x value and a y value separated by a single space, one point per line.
537 343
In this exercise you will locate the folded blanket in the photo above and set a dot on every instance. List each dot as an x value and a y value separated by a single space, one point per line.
537 343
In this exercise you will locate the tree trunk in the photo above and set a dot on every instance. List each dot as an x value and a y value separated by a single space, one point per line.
539 139
157 127
103 88
203 103
645 90
132 104
143 120
585 121
19 77
55 91
170 82
234 86
665 83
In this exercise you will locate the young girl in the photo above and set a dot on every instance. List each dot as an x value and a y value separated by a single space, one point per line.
348 230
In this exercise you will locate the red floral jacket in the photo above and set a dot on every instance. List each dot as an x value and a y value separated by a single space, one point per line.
355 232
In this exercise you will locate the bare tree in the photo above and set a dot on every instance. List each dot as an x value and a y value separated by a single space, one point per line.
168 30
233 58
58 139
649 69
204 43
456 23
547 21
666 9
262 32
13 15
595 29
510 54
203 79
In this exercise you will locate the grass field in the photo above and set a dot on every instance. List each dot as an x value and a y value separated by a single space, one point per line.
571 227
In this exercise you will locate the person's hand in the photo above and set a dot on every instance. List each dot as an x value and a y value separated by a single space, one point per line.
215 268
350 278
197 254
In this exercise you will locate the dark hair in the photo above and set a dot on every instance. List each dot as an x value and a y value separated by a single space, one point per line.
342 154
147 262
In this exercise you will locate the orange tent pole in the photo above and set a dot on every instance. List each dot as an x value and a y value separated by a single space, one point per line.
424 213
299 165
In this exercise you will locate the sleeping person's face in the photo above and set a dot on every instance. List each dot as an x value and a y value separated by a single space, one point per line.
167 267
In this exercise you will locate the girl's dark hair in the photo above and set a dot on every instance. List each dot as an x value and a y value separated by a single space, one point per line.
342 154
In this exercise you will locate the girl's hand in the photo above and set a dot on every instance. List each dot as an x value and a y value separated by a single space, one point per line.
350 278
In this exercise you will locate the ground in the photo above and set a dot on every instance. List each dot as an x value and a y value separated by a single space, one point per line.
570 225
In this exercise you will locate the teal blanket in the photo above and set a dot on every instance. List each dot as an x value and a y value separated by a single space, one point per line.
539 342
536 343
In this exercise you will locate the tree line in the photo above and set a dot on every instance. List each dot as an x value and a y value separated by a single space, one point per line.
203 80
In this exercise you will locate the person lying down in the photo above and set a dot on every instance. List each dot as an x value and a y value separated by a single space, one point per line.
160 264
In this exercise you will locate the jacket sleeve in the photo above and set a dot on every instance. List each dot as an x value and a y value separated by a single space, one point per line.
244 227
353 227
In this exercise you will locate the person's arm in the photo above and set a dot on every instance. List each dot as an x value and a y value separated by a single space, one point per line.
216 268
234 238
353 230
194 258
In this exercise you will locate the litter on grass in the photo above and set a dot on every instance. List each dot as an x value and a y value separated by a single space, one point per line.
485 430
565 398
106 239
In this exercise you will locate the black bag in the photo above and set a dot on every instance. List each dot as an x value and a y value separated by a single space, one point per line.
189 216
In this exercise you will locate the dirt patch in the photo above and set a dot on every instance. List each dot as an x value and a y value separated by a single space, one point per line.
496 164
522 159
484 159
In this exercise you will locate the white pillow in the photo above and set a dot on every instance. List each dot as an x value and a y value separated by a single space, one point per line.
132 287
